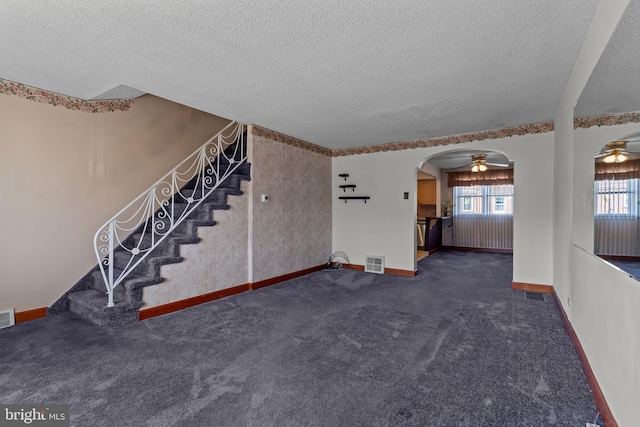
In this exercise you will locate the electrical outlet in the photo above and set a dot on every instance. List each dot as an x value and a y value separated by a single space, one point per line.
568 302
264 197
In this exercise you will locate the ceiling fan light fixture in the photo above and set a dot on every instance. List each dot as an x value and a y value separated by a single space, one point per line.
615 157
478 166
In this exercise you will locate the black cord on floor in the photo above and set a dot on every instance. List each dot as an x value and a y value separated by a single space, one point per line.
335 262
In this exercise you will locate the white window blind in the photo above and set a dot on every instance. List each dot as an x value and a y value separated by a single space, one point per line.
616 198
616 215
483 216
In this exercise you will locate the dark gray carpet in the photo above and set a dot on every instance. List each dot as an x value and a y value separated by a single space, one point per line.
454 346
630 266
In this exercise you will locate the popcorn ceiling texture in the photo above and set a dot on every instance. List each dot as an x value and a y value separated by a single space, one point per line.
614 86
337 74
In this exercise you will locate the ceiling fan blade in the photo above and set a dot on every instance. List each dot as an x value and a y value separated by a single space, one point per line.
463 167
500 165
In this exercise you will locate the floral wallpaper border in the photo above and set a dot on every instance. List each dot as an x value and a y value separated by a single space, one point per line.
607 120
448 140
51 98
290 140
580 122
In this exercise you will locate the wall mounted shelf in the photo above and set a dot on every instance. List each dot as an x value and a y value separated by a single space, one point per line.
365 198
344 187
344 175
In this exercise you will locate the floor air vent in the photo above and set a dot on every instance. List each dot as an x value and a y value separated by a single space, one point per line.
374 264
7 318
534 296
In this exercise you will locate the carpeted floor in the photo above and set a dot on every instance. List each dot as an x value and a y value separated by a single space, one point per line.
453 346
629 266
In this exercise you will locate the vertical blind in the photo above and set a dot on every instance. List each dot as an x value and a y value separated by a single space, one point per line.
483 216
616 215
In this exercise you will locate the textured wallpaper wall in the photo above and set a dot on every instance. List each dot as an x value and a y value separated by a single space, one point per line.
292 231
219 261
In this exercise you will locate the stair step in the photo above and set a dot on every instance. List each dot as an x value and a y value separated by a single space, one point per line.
92 305
99 285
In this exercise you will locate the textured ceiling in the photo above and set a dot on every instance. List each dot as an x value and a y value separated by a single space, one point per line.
614 85
336 73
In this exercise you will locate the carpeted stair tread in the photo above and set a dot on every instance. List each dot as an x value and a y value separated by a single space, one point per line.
99 284
92 305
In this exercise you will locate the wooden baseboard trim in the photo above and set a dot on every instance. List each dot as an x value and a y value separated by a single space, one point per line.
25 316
289 276
394 271
190 302
532 287
596 391
470 249
434 250
399 272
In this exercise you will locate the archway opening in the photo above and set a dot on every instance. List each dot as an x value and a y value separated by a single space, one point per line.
472 208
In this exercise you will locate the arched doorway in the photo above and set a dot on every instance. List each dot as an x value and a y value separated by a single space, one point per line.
474 201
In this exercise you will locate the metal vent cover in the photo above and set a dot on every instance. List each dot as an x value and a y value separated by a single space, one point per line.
374 264
534 296
7 318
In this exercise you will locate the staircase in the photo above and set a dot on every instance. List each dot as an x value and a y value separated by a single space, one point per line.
111 293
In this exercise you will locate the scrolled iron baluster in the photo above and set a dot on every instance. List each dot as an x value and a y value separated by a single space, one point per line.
110 283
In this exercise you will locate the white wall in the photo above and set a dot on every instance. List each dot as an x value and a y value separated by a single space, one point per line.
605 314
605 302
385 225
601 302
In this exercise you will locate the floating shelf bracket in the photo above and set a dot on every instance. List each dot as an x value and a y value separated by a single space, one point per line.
365 198
344 187
344 175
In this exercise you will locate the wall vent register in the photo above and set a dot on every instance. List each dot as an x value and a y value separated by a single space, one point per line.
374 264
7 318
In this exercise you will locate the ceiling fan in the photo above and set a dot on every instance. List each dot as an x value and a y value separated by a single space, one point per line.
479 163
614 152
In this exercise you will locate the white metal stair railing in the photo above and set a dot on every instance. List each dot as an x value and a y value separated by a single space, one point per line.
145 222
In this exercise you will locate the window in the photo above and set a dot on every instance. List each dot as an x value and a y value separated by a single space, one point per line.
484 200
467 204
616 197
